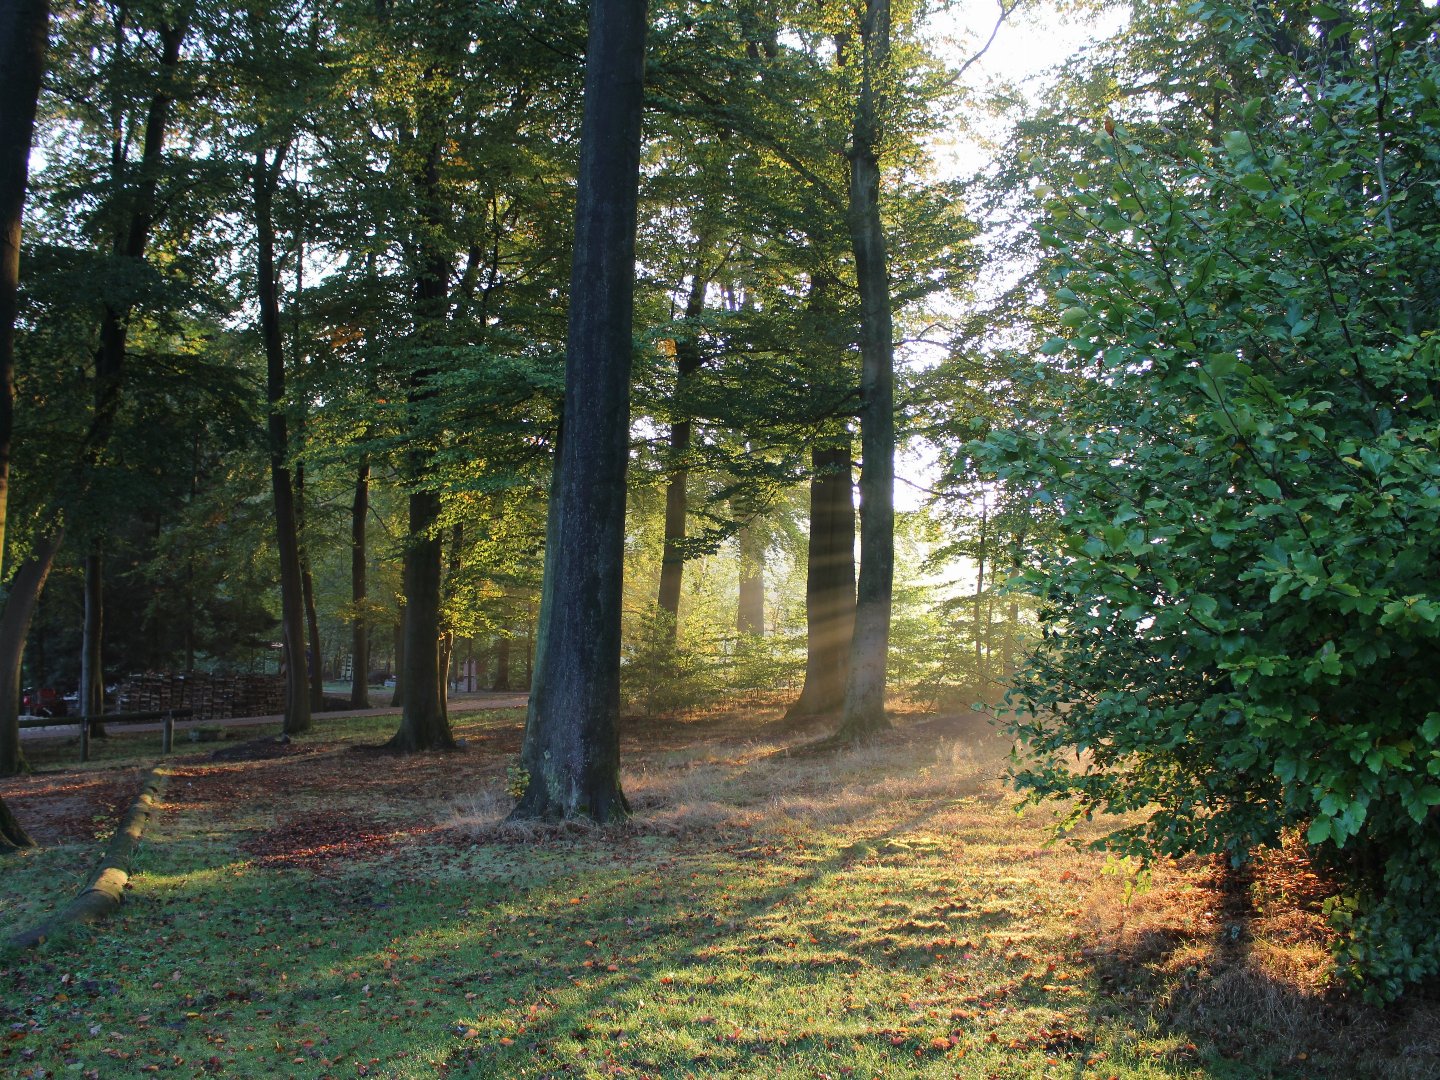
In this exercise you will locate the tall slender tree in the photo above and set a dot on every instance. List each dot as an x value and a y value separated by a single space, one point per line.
572 742
865 690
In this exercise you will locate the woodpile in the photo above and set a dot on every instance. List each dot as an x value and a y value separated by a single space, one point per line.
213 697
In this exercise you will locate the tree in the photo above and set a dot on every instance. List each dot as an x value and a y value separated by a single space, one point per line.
864 711
572 746
22 61
1240 619
829 581
265 179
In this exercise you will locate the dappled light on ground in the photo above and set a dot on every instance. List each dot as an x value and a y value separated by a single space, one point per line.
768 911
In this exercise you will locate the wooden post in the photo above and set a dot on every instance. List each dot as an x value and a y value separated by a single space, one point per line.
167 742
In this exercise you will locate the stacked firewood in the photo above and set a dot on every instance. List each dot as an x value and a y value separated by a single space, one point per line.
211 697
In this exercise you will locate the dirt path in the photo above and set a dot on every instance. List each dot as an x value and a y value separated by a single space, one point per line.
474 701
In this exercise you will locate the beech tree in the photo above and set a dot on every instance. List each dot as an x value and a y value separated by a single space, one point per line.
572 745
1239 609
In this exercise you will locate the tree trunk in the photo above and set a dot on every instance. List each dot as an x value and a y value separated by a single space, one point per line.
24 594
92 673
287 526
981 638
750 611
829 582
13 836
687 362
23 37
359 632
397 699
314 668
424 724
502 664
572 739
869 652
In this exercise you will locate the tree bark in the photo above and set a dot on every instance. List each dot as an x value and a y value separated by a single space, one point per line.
359 567
829 582
287 526
687 363
397 699
424 724
572 741
750 611
23 37
13 836
315 669
92 673
869 652
24 594
502 664
981 638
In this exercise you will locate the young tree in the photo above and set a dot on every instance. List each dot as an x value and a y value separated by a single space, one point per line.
572 745
1241 619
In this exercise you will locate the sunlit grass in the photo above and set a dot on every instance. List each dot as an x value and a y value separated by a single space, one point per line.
882 912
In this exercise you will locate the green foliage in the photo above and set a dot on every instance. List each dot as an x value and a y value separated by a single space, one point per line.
659 673
1241 617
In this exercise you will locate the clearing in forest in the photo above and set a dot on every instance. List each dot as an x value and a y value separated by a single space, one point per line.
321 909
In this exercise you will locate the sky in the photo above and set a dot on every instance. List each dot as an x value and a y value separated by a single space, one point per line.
1025 51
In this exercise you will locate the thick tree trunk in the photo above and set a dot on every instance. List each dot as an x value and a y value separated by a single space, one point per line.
829 582
869 651
750 611
287 526
23 38
359 566
13 836
20 601
424 724
92 673
502 664
687 363
572 740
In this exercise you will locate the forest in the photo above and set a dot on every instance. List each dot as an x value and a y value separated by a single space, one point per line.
536 405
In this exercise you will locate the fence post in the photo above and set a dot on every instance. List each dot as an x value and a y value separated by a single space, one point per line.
167 743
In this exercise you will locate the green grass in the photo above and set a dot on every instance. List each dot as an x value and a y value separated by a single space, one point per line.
884 913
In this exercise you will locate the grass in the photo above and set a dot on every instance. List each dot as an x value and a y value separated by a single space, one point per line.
883 913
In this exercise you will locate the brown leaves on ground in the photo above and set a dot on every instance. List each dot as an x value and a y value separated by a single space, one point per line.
71 807
318 840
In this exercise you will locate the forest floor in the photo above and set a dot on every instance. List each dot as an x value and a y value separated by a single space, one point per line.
321 909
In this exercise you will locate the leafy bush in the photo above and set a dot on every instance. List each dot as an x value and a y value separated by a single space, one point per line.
660 674
1242 624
